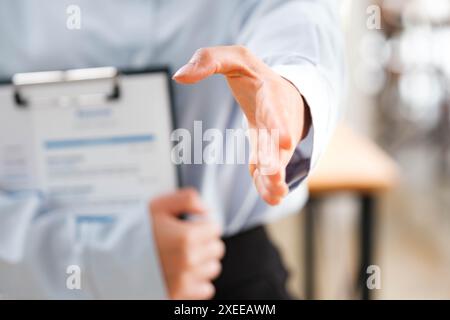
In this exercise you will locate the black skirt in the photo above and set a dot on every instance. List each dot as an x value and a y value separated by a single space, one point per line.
252 268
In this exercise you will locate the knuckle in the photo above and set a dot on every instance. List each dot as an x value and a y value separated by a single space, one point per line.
190 194
215 229
189 260
242 50
210 290
202 54
216 270
187 255
221 249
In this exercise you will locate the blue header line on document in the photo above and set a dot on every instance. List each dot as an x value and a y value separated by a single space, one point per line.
94 142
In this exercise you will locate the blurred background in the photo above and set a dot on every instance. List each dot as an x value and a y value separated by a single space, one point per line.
397 118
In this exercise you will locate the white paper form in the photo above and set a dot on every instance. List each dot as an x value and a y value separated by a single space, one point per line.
95 155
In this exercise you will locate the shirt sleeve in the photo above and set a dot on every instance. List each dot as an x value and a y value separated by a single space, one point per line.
59 254
302 42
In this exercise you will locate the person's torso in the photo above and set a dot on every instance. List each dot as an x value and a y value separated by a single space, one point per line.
135 34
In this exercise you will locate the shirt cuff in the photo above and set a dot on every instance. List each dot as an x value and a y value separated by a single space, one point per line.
312 86
299 165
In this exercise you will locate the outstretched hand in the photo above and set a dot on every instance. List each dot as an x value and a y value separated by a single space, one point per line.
274 108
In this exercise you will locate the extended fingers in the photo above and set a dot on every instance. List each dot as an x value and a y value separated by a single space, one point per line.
271 190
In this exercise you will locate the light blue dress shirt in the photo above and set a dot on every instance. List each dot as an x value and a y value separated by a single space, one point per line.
299 39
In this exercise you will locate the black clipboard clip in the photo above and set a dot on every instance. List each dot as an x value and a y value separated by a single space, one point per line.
52 82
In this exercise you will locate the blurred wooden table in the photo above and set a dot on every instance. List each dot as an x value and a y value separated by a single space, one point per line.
351 163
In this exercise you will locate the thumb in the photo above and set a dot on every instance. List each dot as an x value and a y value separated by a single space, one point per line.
185 200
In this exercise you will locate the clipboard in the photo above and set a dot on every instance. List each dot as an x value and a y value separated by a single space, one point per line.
90 138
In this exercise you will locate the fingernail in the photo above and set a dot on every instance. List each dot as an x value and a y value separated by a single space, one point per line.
183 70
